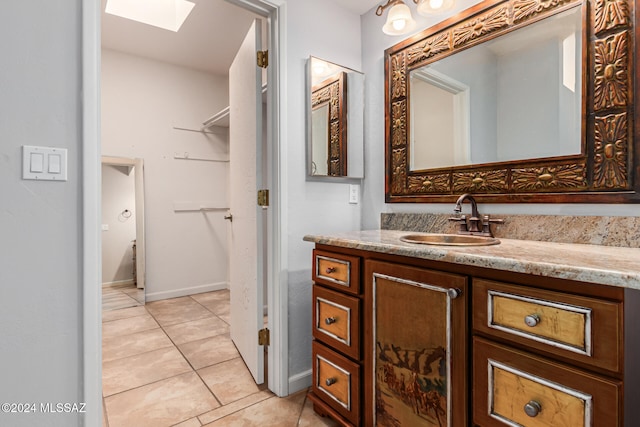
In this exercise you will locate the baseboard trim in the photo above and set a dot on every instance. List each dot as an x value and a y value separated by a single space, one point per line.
174 293
118 283
300 381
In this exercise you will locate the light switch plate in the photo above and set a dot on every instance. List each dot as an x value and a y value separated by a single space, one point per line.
44 163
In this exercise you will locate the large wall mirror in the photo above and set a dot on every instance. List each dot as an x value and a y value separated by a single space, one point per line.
334 120
514 101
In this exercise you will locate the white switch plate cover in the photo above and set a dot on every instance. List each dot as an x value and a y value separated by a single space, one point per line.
354 193
44 163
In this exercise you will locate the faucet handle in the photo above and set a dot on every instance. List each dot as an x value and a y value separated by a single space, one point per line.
462 222
485 218
486 222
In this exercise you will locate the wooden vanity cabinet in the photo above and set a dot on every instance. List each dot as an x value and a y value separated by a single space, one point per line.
416 339
546 357
336 389
401 341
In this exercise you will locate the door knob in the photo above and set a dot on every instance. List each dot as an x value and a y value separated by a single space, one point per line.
229 217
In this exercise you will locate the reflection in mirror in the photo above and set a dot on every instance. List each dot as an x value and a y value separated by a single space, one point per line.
320 140
515 97
334 120
123 237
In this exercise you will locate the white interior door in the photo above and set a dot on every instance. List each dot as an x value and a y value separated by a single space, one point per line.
245 153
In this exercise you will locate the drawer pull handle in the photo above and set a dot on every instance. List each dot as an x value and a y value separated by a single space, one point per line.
330 270
532 408
330 381
330 320
532 320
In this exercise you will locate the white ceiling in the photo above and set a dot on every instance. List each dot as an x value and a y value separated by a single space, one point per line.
207 41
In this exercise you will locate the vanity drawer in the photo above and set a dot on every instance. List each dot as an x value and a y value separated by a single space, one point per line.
520 389
336 380
337 271
336 320
583 329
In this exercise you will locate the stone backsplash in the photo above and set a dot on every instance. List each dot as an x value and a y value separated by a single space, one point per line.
593 230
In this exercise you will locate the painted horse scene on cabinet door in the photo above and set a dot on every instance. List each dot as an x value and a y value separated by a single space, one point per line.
411 369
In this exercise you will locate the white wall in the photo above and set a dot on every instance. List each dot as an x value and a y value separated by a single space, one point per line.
118 195
374 42
142 101
40 222
322 29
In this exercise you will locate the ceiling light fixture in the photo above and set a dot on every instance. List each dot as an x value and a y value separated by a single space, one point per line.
433 7
167 14
399 19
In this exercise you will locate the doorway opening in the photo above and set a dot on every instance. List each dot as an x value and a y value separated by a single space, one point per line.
123 239
91 81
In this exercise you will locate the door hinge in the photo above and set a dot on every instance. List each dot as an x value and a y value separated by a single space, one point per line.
263 198
263 58
263 337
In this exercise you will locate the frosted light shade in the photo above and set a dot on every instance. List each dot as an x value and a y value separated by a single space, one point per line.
399 21
433 7
167 14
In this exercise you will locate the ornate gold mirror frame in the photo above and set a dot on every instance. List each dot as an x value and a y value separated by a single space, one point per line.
608 169
333 92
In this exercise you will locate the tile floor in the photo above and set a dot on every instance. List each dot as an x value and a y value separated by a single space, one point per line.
115 297
172 363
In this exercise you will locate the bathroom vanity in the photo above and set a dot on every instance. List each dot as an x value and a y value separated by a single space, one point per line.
519 333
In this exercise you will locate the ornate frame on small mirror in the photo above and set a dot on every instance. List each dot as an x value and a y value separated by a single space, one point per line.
607 170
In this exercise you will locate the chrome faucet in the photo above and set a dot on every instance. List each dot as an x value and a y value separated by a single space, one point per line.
475 224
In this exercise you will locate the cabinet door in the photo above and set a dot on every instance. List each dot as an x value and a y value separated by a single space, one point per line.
415 336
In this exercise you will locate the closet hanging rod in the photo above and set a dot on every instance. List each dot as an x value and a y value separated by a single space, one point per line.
199 206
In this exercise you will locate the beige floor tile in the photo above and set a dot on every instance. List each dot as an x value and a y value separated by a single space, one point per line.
226 317
118 347
209 351
127 326
108 316
273 412
196 330
309 418
135 371
207 297
117 301
177 310
192 422
104 415
229 381
216 304
225 410
164 403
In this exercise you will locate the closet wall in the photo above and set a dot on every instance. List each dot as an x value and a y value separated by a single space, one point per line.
143 102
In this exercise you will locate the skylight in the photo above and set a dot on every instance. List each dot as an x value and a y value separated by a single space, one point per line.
167 14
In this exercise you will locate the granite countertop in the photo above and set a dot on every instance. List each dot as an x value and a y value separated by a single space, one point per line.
605 265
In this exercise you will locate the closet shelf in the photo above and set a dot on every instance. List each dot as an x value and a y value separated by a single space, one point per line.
221 119
187 156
